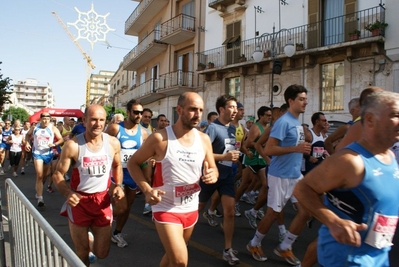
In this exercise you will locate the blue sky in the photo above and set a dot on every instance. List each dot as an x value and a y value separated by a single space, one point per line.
34 45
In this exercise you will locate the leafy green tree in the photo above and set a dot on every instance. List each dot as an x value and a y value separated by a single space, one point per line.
5 90
17 114
108 109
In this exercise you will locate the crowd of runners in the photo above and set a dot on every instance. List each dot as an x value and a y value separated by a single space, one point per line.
206 168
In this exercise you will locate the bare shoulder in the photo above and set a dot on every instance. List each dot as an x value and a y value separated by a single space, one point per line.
112 129
71 147
204 137
113 141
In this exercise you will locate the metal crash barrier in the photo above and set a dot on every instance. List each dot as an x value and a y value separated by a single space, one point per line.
33 241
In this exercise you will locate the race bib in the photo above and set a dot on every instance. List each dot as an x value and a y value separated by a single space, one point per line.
95 165
318 152
184 194
300 134
125 156
381 231
43 141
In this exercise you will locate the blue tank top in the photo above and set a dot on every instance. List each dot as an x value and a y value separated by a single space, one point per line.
375 202
129 143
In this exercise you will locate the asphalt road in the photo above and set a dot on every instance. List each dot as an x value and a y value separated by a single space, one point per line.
145 249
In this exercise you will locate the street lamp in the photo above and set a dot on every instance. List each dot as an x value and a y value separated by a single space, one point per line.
289 50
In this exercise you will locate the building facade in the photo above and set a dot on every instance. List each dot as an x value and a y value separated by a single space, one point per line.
163 65
100 87
119 85
338 53
33 95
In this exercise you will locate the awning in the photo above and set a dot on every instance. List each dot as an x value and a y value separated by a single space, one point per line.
231 40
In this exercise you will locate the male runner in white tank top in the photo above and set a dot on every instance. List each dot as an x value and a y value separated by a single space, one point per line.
93 154
180 152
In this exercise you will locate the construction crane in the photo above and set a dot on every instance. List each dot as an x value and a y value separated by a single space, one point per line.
90 64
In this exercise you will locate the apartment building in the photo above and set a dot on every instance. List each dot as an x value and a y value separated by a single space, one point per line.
163 64
99 87
119 85
337 53
33 95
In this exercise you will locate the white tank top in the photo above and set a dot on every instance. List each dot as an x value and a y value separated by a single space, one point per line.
42 137
16 143
91 173
178 174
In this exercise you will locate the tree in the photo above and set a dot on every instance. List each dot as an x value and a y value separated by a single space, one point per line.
5 90
108 109
17 114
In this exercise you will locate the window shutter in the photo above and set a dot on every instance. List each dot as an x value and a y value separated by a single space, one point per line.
351 20
313 27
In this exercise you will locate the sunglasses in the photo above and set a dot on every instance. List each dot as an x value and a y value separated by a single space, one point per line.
45 116
137 112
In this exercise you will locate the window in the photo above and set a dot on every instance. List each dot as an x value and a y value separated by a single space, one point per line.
233 87
233 42
332 88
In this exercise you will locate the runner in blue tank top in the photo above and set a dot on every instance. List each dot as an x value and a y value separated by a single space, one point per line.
130 135
361 203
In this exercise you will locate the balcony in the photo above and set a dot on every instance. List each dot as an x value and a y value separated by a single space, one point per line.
146 50
178 29
325 37
174 83
220 5
142 15
169 84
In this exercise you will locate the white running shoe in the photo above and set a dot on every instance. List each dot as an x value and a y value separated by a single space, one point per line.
14 174
119 240
230 256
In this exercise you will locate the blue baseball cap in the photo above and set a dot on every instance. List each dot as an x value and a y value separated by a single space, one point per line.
239 105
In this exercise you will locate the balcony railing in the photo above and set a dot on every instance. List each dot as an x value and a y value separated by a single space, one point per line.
178 29
149 7
174 83
216 4
151 40
323 33
172 79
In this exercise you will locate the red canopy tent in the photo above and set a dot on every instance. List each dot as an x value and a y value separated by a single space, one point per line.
56 112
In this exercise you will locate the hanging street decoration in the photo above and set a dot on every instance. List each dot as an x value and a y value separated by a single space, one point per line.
91 26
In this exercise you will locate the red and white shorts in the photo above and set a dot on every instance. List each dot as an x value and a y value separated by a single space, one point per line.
187 220
93 209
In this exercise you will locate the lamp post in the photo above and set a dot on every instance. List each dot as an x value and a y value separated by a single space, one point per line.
289 50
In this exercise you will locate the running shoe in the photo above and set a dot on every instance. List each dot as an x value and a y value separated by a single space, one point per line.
237 212
1 172
14 174
50 189
92 257
260 214
256 252
210 218
251 219
218 214
287 255
22 170
40 202
147 209
248 198
230 256
119 240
